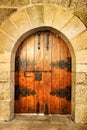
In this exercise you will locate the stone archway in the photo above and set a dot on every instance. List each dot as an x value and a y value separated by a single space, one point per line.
22 24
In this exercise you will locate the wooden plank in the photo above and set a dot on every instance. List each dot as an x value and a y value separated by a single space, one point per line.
63 103
36 59
47 76
22 80
39 67
30 75
55 75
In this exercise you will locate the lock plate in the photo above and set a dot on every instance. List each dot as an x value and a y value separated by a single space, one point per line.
38 76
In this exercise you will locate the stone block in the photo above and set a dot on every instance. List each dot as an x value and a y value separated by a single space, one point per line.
4 67
5 56
6 110
72 4
82 14
5 72
81 57
82 5
81 112
81 68
9 28
19 3
81 93
80 78
36 15
4 76
4 91
6 43
73 28
58 21
14 2
79 42
21 21
49 14
5 13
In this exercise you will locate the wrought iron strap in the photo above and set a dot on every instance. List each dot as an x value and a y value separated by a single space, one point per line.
39 33
63 64
47 39
62 93
22 63
27 92
23 92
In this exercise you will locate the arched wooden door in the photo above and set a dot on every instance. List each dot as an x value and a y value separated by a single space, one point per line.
43 75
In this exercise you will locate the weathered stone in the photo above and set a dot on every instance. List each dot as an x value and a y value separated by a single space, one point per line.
82 15
49 17
80 77
81 57
72 3
14 2
42 122
81 68
82 4
9 28
5 91
5 56
5 13
4 67
81 93
58 21
79 42
21 21
4 77
73 28
6 43
6 110
6 73
36 15
81 112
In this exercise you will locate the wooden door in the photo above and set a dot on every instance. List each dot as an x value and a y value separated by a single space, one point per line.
43 75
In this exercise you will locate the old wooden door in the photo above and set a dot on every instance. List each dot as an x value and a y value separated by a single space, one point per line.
43 75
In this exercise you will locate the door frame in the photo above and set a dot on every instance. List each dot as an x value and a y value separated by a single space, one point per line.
15 29
57 33
43 30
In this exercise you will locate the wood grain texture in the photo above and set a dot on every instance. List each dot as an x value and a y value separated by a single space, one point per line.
42 79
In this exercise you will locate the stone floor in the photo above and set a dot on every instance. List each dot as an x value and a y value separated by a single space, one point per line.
39 122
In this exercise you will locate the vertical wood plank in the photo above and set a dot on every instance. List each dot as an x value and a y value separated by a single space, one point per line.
47 75
39 68
55 75
36 55
30 75
22 79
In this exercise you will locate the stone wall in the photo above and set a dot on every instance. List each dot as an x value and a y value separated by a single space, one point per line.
79 7
16 27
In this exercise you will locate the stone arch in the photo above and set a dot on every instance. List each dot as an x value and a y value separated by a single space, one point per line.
23 23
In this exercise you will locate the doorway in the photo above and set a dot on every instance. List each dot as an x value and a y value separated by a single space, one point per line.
43 75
